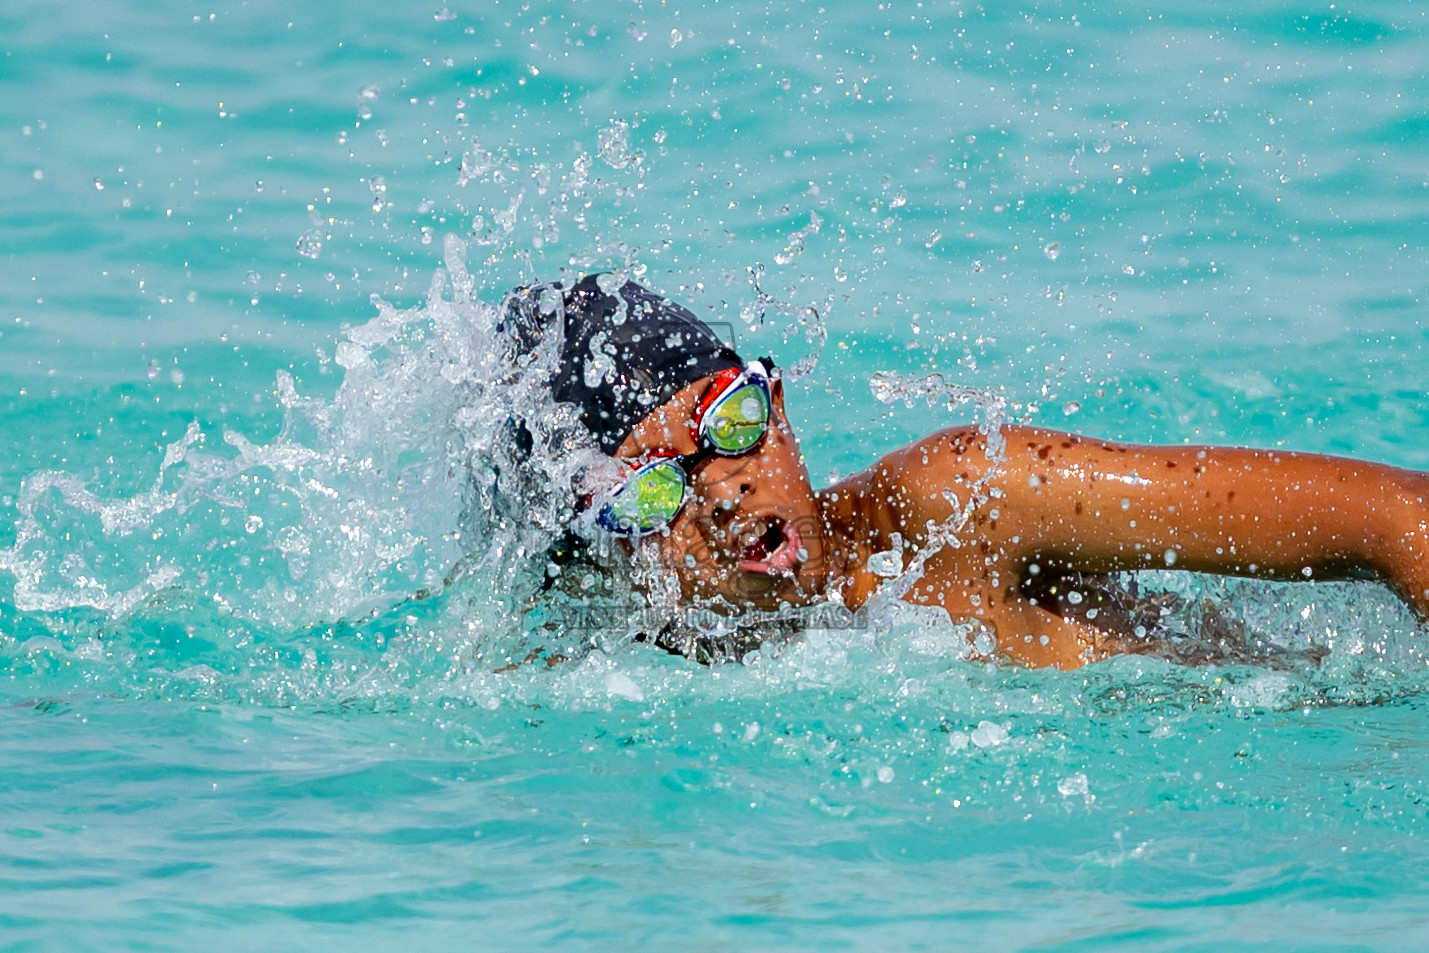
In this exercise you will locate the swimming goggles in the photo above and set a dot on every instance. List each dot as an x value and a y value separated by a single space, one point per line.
730 420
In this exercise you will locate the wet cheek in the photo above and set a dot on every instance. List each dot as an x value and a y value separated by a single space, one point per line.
777 475
688 547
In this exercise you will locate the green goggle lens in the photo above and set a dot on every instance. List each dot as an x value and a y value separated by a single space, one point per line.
738 421
649 500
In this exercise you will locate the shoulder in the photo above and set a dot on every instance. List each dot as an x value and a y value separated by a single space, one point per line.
931 477
924 480
945 459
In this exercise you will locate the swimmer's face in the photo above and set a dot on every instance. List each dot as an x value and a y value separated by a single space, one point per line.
750 532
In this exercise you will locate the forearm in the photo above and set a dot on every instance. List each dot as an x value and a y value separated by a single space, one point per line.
1098 506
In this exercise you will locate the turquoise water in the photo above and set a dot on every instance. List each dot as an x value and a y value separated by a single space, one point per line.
229 471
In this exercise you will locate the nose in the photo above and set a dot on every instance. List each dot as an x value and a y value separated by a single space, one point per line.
728 482
725 481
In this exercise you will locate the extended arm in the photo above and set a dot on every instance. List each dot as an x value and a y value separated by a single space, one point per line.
1064 503
1097 506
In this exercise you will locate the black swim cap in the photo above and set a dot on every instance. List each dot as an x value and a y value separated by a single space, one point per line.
622 354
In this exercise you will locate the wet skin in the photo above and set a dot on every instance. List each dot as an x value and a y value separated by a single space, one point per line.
1056 504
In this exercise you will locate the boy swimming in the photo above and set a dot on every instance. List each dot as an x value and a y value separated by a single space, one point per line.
1001 528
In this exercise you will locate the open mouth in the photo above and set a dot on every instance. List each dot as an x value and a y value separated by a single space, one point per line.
771 546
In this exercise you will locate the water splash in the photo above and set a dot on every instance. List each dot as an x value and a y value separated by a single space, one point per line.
797 239
935 390
408 484
901 576
807 322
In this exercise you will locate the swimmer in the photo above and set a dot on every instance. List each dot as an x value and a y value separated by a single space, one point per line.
1008 526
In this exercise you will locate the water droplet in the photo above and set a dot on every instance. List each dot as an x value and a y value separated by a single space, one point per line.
987 735
1170 557
98 185
1070 408
310 244
885 773
888 564
1052 250
1074 786
596 369
614 144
